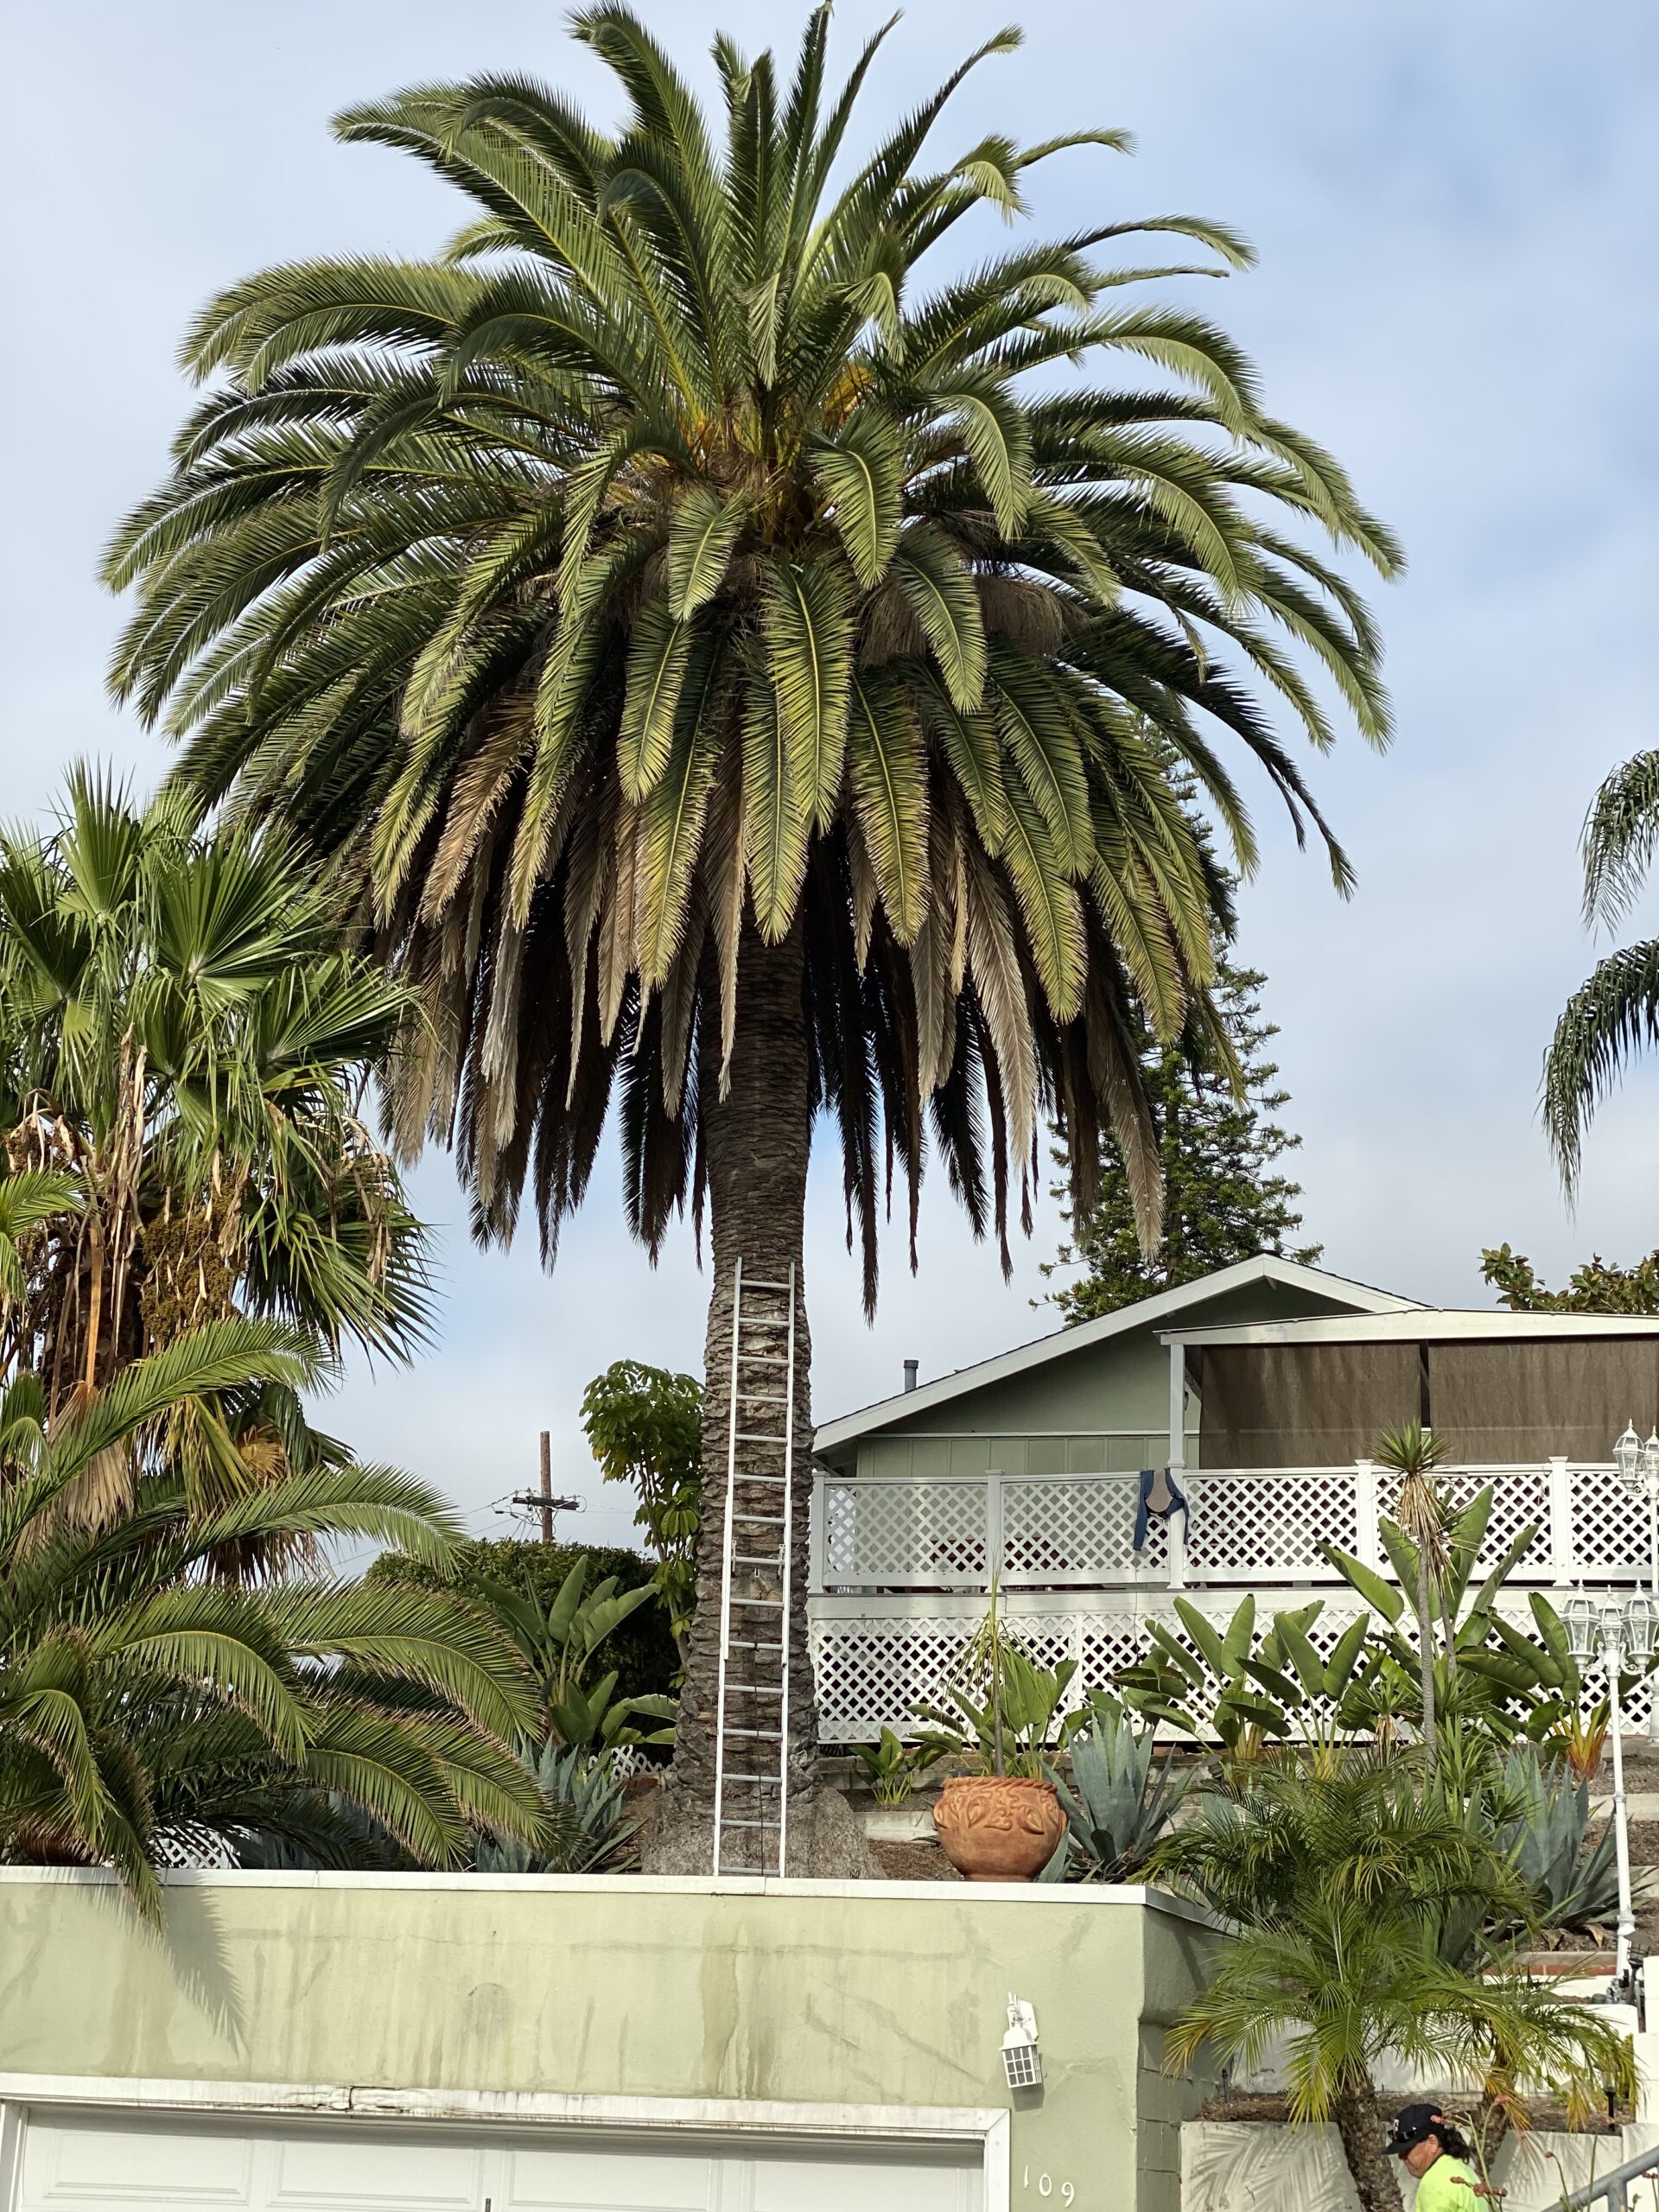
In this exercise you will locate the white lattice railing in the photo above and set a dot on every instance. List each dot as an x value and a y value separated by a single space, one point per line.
1061 1532
875 1659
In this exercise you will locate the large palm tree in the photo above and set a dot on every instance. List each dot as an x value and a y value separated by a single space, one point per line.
1615 1012
183 1052
150 1707
746 675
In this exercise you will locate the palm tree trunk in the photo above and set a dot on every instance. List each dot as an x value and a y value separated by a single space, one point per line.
758 1138
1376 2182
1426 1649
1490 2124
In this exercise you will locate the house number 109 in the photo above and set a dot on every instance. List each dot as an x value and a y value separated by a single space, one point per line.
1046 2186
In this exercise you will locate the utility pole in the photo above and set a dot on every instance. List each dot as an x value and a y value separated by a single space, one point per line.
542 1500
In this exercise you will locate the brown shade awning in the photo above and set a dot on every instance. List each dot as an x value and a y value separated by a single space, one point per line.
1492 1400
1533 1400
1302 1405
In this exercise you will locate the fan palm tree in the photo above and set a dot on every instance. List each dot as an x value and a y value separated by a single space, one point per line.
744 677
183 1047
1338 1884
149 1706
1615 1014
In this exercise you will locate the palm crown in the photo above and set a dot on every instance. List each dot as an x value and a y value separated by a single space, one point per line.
671 570
183 1049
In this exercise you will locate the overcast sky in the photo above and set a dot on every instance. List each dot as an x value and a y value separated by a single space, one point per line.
1453 201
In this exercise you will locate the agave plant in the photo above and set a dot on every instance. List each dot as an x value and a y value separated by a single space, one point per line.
587 1830
1545 1834
1118 1800
743 677
148 1706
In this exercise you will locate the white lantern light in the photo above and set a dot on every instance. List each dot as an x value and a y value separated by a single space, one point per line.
1022 2062
1581 1619
1641 1620
1627 1454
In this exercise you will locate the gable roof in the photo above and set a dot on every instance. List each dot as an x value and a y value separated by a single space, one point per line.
1165 1306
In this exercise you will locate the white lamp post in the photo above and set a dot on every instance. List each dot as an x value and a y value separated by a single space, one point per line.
1601 1629
1638 1469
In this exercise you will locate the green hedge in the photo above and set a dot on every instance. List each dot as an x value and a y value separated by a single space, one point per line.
642 1650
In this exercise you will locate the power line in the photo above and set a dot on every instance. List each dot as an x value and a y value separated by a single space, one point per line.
542 1500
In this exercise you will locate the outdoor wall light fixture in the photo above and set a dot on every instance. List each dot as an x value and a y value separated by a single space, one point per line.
1601 1629
1022 2062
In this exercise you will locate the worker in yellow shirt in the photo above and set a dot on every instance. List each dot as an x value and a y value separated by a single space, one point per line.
1437 2157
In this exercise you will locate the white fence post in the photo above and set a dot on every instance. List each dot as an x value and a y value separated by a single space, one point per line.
1175 1528
1561 1523
815 1579
1368 1549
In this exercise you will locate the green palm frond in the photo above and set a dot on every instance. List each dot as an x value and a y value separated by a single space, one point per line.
679 568
1608 1020
147 1699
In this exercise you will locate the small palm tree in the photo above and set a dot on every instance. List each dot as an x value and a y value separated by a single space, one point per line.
150 1707
1339 1886
1419 1510
741 679
1615 1014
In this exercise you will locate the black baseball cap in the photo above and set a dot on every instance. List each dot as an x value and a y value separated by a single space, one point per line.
1413 2124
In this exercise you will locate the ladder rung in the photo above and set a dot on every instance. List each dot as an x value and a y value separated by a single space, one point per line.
746 1824
761 1398
755 1781
769 1520
752 1559
749 1644
750 1436
754 1283
759 1735
762 1360
758 1689
764 1321
762 1478
776 1603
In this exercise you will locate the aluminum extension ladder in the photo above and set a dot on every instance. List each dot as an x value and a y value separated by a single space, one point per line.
752 1711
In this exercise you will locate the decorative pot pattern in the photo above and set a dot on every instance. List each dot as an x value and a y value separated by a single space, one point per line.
998 1827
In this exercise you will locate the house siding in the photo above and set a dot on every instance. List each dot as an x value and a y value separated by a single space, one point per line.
1103 1408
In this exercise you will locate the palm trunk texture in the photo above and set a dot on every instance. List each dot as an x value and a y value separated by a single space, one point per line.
1359 2123
758 1138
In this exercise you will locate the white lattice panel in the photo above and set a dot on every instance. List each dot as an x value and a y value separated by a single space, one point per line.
1609 1525
891 1533
1071 1529
873 1672
1520 1497
871 1678
1258 1526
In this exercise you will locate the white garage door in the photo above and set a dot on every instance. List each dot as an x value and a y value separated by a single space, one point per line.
123 2165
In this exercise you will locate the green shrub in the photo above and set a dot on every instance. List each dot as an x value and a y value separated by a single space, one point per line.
641 1650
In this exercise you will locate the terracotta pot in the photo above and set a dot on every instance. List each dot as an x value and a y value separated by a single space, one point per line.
998 1827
